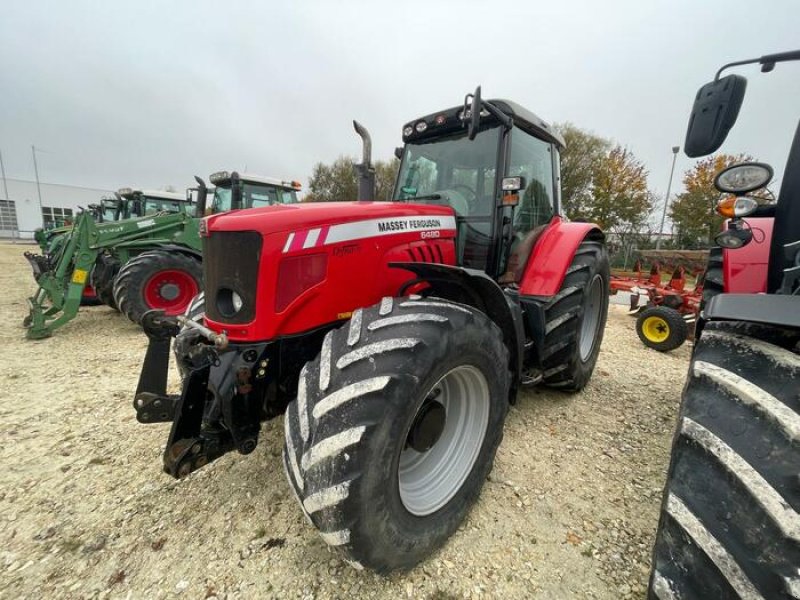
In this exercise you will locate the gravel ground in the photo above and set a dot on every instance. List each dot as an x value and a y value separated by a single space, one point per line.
569 511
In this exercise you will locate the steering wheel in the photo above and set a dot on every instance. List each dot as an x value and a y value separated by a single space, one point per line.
471 197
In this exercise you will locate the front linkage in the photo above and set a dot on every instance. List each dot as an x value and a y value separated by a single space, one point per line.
60 286
219 409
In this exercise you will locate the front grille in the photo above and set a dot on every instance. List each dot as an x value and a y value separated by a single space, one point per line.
230 263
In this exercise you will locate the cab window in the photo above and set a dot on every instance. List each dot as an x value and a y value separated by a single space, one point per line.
532 158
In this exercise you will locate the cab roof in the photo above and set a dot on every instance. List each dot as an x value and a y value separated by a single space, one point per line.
449 121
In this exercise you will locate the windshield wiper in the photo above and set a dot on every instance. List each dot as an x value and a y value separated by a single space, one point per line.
426 197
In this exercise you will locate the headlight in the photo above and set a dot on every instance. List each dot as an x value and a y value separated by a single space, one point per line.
736 206
228 302
220 177
743 178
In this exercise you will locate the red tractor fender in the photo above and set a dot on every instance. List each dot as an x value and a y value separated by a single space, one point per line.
745 269
552 254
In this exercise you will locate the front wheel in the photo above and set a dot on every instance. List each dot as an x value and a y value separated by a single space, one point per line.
157 280
729 525
395 428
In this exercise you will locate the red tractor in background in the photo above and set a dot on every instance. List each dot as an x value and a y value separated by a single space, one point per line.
393 335
730 518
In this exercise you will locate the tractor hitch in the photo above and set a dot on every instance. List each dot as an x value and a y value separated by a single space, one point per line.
222 402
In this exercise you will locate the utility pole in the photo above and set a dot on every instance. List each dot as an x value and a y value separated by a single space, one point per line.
3 171
38 186
675 150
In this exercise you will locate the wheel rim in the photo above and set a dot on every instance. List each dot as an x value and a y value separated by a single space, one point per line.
655 329
428 480
591 318
170 290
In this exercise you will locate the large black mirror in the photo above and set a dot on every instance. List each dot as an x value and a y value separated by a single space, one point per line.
715 109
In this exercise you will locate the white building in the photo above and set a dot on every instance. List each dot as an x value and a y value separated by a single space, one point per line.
20 213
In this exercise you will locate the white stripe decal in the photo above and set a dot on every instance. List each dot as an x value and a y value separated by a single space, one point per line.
331 446
784 516
750 394
311 238
727 565
326 498
348 393
288 243
389 225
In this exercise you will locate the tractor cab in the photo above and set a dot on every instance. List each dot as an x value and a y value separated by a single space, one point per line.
244 190
140 203
499 174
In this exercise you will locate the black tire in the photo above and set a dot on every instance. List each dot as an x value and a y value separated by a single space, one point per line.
351 421
188 336
130 282
713 280
729 525
667 322
102 280
565 366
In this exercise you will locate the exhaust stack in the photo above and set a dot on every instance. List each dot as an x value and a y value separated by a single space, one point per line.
365 170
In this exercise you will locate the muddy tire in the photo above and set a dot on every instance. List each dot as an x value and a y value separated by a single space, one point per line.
575 320
661 328
729 524
188 336
102 280
395 428
157 280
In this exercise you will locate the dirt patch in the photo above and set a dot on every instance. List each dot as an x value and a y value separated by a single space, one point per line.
570 509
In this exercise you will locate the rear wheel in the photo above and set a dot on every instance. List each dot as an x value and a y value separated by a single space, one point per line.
575 319
395 428
157 280
661 328
729 524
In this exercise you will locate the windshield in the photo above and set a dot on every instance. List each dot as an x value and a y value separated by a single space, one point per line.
462 174
254 195
461 171
157 205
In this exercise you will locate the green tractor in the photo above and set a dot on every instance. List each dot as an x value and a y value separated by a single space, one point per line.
137 265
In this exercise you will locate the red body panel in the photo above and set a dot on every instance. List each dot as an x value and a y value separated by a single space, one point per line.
745 269
359 239
551 256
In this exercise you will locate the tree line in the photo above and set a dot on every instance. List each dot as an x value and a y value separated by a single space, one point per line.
601 181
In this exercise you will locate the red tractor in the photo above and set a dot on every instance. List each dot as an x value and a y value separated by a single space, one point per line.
730 519
393 335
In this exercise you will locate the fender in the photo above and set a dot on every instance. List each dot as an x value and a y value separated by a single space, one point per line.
475 288
553 253
170 247
745 269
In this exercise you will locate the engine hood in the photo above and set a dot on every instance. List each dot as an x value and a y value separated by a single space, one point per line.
284 217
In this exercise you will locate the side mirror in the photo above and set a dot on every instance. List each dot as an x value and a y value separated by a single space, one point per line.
398 153
475 114
715 110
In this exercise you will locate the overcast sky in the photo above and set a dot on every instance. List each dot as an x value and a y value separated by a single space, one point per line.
150 93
